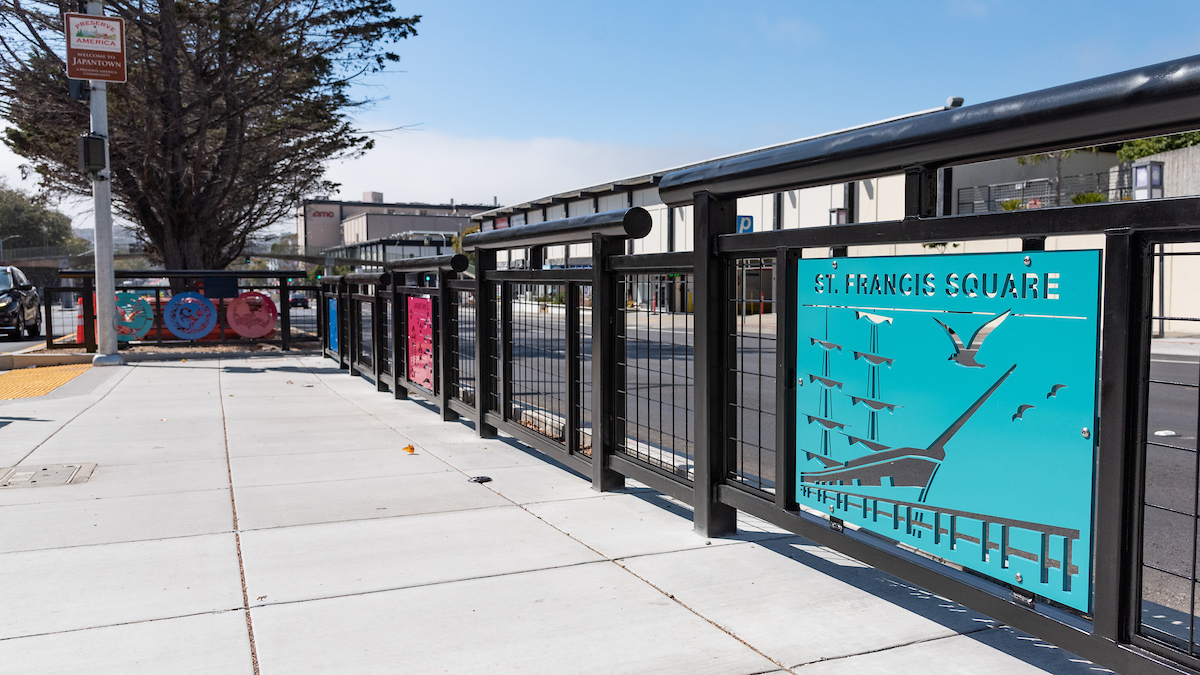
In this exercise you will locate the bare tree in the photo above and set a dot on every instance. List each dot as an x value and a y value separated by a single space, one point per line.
231 111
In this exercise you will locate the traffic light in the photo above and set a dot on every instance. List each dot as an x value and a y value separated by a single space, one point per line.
247 259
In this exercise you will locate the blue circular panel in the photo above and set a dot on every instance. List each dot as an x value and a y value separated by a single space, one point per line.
190 316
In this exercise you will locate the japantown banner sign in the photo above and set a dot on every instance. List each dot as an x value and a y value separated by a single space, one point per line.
95 47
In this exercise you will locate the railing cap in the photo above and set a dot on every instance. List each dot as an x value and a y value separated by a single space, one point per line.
630 223
1149 101
454 263
373 278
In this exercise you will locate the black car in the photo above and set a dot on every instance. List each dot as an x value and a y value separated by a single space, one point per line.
20 305
298 300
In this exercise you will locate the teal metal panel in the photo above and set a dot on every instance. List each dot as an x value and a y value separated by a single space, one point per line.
949 402
333 325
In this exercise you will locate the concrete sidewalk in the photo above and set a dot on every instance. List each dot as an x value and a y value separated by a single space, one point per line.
261 515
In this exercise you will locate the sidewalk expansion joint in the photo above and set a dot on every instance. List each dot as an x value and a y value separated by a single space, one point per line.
368 518
427 584
73 500
897 646
237 537
120 542
123 623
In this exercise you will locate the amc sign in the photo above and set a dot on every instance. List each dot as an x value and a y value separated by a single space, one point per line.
322 225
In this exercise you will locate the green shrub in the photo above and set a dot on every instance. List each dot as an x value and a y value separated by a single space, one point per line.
1011 204
1089 198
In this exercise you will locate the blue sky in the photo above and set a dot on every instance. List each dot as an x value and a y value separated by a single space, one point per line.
631 87
519 99
740 74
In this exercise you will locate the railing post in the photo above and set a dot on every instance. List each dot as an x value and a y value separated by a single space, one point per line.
346 324
485 326
398 392
920 192
322 307
47 321
712 217
1124 342
286 316
378 330
444 352
349 323
355 333
604 363
785 377
89 314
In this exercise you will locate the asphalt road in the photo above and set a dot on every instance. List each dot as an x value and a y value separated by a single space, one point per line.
659 372
8 345
1171 471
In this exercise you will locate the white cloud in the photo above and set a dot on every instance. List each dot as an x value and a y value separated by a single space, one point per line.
426 166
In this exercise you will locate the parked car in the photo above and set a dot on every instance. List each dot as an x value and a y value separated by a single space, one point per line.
20 305
298 300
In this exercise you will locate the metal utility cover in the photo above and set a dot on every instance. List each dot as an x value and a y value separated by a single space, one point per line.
45 476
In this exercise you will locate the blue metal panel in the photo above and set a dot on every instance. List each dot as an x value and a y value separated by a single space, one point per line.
949 402
333 325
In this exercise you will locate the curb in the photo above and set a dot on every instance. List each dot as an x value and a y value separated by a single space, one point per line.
15 361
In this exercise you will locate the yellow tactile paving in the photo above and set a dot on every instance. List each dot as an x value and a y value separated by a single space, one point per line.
29 382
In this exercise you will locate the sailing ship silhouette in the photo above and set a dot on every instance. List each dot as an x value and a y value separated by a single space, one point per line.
903 467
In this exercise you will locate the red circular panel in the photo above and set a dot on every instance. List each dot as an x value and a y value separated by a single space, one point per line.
252 314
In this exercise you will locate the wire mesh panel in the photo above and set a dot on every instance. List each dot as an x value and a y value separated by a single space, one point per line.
751 372
63 323
463 335
656 424
366 333
538 335
494 352
583 337
1171 500
385 336
302 306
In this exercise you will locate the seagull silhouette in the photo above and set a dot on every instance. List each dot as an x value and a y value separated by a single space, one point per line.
1021 411
964 355
1054 390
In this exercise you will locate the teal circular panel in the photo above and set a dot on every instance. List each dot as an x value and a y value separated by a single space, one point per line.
190 316
134 316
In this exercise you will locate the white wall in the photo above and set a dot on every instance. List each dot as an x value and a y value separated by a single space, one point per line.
1181 171
656 241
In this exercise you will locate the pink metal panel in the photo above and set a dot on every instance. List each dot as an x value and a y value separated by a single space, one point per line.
420 341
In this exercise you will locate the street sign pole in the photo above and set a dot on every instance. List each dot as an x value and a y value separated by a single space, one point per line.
106 308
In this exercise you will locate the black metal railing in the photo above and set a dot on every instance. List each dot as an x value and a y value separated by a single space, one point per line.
395 327
678 370
235 307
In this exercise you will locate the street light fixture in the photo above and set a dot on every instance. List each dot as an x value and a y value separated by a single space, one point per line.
11 236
